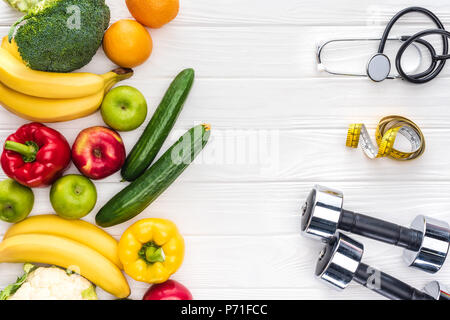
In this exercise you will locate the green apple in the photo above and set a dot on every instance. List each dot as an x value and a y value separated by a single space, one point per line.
73 196
16 201
124 108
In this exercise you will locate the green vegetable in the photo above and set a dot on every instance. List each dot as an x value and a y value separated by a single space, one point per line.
23 5
61 35
156 132
70 272
144 190
12 288
151 253
89 294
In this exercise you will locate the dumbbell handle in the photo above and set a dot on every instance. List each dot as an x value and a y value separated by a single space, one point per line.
386 285
380 230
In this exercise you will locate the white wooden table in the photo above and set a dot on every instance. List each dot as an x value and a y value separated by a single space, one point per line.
279 126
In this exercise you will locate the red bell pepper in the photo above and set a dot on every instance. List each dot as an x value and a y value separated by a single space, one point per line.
35 155
169 290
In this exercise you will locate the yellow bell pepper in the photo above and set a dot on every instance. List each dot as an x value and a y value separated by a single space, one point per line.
151 250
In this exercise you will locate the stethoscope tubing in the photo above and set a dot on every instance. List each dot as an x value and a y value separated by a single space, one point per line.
437 61
400 14
436 64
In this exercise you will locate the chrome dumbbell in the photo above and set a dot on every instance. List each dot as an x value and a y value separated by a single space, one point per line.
340 263
426 242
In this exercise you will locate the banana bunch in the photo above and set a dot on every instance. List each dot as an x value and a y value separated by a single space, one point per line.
72 244
47 96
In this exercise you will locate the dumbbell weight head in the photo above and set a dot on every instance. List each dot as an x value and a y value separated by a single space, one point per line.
321 212
340 263
339 260
435 244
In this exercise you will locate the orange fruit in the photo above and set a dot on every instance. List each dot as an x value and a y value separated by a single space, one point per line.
153 13
127 43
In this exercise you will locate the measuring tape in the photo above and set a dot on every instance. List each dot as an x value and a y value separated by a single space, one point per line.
386 132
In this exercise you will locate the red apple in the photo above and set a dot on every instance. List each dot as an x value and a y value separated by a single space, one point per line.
98 152
169 290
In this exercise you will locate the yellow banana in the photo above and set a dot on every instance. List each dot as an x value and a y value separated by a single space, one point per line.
77 230
66 253
12 48
55 110
17 76
48 110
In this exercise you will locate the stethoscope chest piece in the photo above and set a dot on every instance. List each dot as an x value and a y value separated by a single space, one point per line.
378 67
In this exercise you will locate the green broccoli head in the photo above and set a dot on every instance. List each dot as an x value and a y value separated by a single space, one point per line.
62 35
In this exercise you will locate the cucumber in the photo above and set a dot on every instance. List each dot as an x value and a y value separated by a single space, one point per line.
157 130
139 194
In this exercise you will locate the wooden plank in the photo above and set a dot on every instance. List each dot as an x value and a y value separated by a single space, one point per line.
286 104
284 12
268 208
283 262
263 52
297 155
298 104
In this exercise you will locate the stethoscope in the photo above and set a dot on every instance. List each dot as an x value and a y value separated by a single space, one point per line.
379 66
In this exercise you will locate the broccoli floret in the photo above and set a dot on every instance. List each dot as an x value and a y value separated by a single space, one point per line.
62 35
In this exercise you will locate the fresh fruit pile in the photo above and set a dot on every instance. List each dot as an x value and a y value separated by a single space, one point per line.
52 97
151 250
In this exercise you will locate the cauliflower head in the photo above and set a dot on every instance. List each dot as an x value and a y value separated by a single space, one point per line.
23 5
53 283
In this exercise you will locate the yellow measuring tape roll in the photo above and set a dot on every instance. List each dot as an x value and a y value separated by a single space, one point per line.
386 132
